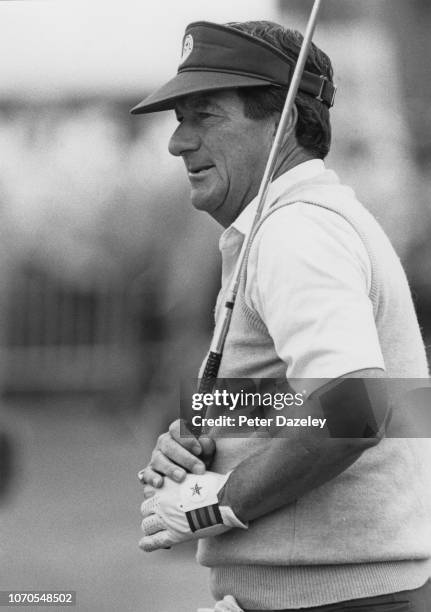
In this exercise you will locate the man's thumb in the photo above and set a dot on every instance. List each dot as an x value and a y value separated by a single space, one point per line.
208 449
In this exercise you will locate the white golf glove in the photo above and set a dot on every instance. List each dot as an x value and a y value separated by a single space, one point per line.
186 511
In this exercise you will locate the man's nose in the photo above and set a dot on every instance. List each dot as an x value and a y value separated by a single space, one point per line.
183 139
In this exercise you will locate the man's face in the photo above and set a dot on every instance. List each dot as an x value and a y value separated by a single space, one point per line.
224 152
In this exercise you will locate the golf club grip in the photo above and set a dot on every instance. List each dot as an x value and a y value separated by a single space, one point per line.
210 372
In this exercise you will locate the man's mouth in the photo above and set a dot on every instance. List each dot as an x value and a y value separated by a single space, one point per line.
198 171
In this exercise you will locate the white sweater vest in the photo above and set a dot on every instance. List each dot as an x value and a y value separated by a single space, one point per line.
366 532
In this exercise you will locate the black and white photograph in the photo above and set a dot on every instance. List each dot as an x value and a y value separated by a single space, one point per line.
215 305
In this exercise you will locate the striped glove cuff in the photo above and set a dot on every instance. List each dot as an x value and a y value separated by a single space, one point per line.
200 502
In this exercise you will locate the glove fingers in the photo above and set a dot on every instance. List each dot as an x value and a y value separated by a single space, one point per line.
152 524
148 506
153 542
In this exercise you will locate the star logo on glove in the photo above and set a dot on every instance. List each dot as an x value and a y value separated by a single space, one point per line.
196 490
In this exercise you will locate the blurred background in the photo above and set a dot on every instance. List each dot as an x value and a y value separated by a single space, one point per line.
108 277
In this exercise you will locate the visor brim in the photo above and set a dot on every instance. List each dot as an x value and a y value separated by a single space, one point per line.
193 82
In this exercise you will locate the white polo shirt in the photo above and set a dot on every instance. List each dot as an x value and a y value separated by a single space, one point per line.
308 278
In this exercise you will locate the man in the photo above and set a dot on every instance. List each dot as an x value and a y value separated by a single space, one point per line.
304 521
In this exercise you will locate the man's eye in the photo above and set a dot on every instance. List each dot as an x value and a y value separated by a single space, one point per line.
203 115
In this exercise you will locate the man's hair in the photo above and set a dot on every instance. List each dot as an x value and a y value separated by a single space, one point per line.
313 129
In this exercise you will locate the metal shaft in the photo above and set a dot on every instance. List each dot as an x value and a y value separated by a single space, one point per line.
224 318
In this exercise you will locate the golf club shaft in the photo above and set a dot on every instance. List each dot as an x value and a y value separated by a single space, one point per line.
223 320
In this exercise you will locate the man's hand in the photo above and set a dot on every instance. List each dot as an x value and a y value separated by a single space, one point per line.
174 455
186 511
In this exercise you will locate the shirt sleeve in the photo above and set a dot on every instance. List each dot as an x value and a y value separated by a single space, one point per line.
308 277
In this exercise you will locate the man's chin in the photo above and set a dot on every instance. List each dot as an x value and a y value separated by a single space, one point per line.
203 201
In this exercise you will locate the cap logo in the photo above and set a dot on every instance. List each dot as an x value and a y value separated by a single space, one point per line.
187 47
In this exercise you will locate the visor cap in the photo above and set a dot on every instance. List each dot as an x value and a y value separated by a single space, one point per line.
216 57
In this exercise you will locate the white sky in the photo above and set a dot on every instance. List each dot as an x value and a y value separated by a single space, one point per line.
53 47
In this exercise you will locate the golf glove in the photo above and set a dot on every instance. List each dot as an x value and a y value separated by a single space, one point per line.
186 511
